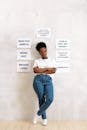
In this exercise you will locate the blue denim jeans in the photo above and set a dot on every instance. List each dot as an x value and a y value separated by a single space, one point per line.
43 87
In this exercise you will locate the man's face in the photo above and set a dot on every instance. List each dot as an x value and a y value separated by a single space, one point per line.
43 52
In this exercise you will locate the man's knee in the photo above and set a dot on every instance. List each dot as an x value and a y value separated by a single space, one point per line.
50 100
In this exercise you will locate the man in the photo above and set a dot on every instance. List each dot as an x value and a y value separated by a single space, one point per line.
44 68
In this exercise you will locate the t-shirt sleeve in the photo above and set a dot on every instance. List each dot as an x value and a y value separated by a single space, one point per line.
54 63
35 64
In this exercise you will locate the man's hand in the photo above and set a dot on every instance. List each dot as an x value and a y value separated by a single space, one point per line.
39 70
51 70
44 70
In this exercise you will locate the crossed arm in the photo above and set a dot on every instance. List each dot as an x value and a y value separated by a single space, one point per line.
44 70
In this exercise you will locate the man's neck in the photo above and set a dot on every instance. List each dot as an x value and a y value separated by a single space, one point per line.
44 57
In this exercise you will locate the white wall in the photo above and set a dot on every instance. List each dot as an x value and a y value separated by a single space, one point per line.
67 19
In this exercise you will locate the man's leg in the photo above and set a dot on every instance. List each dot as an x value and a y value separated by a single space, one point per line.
39 89
49 96
41 102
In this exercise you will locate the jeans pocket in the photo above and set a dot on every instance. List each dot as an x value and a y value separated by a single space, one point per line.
36 84
49 78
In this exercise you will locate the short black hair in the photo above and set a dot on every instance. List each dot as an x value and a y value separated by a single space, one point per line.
40 45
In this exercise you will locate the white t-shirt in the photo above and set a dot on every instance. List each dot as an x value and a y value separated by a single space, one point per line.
45 63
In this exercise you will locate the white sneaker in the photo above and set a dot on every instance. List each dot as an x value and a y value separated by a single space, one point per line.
44 121
36 119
